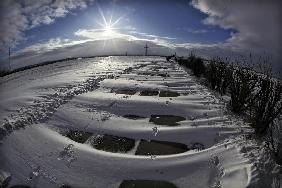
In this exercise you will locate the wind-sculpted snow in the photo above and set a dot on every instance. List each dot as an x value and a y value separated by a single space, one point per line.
119 122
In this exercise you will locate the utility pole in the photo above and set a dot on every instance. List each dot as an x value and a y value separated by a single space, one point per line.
146 49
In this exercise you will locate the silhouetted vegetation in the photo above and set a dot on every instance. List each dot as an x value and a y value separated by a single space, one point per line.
242 84
3 72
218 75
268 104
194 63
168 58
257 96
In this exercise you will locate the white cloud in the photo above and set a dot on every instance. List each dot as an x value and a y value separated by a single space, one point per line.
101 34
150 35
258 24
19 16
50 45
258 27
132 35
197 45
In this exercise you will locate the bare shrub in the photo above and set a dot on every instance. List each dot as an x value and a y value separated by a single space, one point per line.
210 74
218 74
3 72
198 66
268 104
274 138
242 85
194 63
256 94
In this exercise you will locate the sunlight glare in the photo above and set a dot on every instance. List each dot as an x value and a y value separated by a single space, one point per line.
108 30
108 25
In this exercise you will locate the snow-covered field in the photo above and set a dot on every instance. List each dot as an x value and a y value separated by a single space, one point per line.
123 122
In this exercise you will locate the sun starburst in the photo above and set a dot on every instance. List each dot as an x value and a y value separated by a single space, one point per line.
108 27
108 24
108 30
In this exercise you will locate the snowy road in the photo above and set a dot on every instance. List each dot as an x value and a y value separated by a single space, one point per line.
118 122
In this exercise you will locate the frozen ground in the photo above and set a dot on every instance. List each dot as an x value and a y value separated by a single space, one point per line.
123 122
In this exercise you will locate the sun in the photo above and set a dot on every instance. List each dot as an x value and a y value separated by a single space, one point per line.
108 25
108 29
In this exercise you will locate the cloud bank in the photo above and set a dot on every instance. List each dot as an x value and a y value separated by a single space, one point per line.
258 24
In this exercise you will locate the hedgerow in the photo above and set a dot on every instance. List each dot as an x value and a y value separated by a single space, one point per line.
258 96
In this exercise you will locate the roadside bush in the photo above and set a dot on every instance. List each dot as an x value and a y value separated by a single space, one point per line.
268 104
3 72
274 138
168 58
256 95
198 66
218 75
211 76
183 62
194 63
278 151
242 85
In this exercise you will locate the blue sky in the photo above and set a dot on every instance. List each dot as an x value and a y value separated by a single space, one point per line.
48 30
178 20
